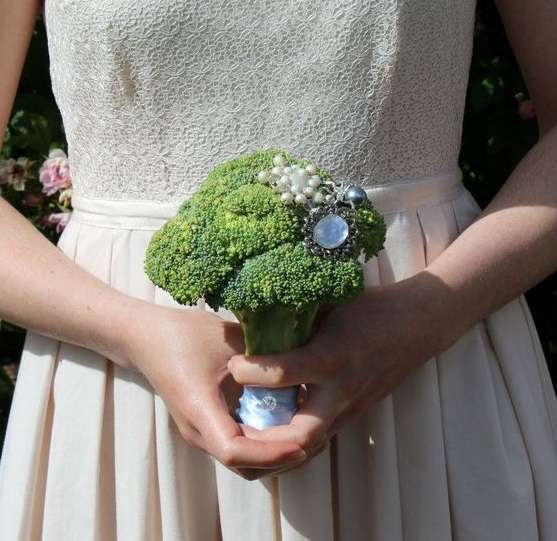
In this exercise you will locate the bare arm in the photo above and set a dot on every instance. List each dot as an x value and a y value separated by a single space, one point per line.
513 244
17 20
40 288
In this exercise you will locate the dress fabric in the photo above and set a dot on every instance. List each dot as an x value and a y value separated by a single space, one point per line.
153 94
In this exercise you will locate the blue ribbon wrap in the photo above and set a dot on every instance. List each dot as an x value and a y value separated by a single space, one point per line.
262 407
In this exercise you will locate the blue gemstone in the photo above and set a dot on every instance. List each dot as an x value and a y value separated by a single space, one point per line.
331 231
356 195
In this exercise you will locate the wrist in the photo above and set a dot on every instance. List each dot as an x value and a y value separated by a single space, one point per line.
146 324
431 305
122 332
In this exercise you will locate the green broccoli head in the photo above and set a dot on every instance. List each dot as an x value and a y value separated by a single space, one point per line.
236 244
288 275
251 220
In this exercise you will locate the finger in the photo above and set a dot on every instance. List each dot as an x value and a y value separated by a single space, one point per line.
230 335
233 337
309 426
252 473
297 366
296 466
302 395
226 442
231 392
190 434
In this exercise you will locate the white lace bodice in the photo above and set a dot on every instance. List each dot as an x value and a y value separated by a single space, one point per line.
154 93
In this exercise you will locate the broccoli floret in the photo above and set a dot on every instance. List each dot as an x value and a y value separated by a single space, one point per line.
371 227
182 259
288 275
237 245
251 220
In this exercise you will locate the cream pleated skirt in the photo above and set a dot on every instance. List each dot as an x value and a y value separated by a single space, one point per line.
464 449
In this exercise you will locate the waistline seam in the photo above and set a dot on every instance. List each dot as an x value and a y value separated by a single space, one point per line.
392 198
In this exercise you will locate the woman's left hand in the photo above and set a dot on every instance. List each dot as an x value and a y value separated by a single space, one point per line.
360 352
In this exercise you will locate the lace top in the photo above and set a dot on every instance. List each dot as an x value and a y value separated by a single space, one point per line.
154 93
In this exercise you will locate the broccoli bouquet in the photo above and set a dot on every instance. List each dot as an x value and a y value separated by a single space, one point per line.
270 238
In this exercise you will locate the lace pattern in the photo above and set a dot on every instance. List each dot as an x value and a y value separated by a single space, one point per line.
154 93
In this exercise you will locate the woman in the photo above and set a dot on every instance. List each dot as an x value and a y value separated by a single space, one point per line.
430 412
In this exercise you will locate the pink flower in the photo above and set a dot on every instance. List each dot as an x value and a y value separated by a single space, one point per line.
14 173
526 110
59 219
54 173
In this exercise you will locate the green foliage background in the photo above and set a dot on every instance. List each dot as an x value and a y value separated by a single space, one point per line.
495 139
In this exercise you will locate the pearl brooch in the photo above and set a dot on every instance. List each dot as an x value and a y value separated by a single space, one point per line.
302 184
329 225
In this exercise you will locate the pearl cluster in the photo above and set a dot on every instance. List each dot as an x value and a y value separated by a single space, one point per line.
300 185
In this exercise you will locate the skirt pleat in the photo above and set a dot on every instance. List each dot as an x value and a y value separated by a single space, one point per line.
413 444
78 395
136 479
187 479
464 449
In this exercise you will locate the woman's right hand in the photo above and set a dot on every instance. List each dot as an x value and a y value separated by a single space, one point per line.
184 355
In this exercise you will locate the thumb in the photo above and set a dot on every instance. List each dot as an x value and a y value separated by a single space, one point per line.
226 441
294 367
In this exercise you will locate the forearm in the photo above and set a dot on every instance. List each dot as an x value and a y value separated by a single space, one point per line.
511 246
43 290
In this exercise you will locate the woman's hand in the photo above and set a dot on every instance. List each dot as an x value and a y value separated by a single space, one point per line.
184 355
361 351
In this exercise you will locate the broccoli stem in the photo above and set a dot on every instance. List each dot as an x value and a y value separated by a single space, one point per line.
273 330
276 329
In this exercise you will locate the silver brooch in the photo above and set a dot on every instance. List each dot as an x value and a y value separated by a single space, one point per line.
330 231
